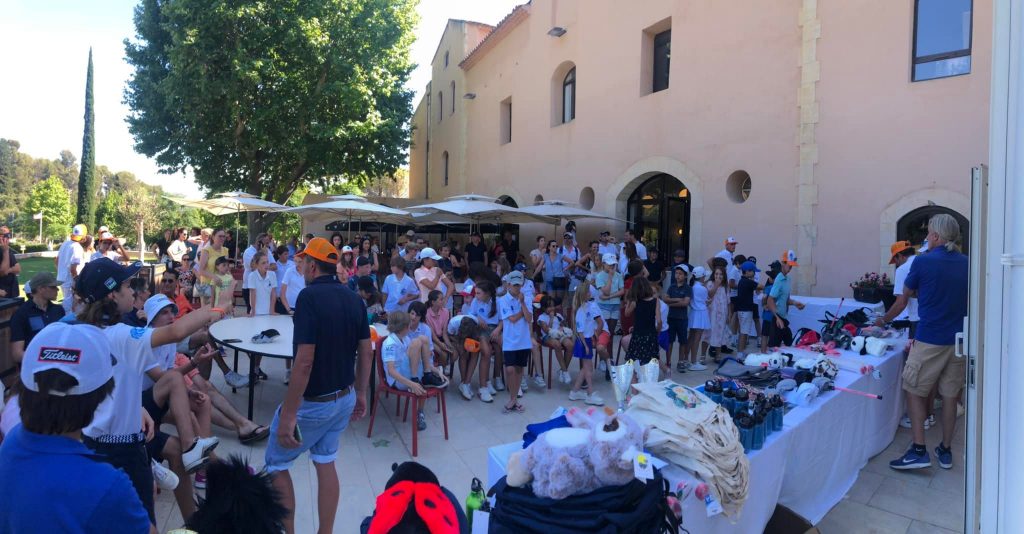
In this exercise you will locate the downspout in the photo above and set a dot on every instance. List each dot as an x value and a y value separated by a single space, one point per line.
426 161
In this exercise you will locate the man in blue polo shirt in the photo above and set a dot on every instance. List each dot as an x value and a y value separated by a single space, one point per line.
50 481
939 280
330 329
35 313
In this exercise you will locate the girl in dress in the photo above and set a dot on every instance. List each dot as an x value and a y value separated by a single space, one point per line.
698 318
718 310
642 301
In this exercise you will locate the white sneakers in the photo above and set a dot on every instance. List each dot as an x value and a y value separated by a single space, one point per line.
578 395
486 395
928 423
564 377
236 380
196 457
466 391
165 478
594 400
499 385
524 385
287 376
539 380
490 388
602 366
698 367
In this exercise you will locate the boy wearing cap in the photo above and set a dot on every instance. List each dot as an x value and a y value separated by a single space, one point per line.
50 481
678 298
904 307
745 307
516 343
332 354
119 431
69 258
34 314
779 302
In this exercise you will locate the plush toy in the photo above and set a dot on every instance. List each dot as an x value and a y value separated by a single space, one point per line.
597 451
773 361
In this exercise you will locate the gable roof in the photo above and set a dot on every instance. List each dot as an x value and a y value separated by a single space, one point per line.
503 28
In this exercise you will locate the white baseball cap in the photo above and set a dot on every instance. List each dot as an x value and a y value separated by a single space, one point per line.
429 253
609 259
155 304
731 240
345 249
699 272
79 350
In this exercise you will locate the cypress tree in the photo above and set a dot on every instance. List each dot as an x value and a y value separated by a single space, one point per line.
87 173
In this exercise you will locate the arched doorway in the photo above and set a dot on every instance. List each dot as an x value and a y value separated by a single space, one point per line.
913 226
658 212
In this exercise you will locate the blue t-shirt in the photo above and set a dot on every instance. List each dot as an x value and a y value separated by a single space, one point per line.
56 484
679 292
941 280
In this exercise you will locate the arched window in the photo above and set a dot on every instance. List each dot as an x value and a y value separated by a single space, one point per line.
913 226
453 97
569 96
440 106
444 160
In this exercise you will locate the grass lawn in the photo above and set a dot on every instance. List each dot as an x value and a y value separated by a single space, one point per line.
31 266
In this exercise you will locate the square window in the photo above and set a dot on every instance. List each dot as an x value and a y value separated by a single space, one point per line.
942 39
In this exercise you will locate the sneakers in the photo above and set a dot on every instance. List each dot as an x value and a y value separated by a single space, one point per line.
200 480
912 460
928 423
521 392
466 391
578 395
594 400
539 381
602 366
725 350
432 380
421 421
499 385
490 388
165 478
486 395
698 367
196 457
681 367
944 456
524 385
236 380
287 376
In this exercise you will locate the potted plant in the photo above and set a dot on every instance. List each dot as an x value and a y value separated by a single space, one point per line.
872 288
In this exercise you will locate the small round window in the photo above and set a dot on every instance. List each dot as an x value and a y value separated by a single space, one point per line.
587 198
737 186
538 199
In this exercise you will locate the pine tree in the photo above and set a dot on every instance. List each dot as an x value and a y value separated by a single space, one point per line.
87 174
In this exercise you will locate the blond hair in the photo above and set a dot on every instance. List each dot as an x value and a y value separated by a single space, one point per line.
579 299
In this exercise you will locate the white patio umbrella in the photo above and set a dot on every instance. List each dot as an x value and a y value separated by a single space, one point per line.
478 208
234 202
562 210
355 207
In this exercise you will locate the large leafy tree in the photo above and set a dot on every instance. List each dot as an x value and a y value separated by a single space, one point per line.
87 175
54 201
266 97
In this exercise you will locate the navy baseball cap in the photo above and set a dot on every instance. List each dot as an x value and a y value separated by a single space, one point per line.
101 277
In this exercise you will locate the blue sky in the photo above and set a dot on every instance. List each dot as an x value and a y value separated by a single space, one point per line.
46 45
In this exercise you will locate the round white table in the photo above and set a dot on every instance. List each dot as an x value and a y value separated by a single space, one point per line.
237 333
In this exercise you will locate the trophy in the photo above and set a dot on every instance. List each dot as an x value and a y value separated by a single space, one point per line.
622 378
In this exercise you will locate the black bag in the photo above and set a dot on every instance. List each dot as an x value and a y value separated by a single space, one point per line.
635 507
748 374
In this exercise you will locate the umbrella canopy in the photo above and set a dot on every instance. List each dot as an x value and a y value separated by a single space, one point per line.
479 208
355 207
230 203
563 210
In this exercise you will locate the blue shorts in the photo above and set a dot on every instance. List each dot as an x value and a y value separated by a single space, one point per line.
578 350
320 424
663 341
677 329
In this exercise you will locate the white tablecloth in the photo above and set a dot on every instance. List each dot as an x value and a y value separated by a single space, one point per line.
813 462
815 308
244 328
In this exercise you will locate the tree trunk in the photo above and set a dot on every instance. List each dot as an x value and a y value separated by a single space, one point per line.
142 244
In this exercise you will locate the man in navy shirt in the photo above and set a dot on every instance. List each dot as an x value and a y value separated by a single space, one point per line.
35 313
330 329
50 481
939 280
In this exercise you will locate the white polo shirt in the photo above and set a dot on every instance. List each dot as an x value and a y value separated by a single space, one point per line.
515 335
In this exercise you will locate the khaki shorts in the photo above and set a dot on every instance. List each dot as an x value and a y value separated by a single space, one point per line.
931 364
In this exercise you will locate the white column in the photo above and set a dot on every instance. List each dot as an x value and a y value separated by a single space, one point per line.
1002 422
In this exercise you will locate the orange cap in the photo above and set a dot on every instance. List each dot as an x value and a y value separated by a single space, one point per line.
896 248
471 345
321 249
789 258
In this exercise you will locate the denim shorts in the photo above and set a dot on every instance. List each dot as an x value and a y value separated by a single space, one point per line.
320 424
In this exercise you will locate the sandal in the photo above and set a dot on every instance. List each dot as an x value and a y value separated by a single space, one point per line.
259 434
518 408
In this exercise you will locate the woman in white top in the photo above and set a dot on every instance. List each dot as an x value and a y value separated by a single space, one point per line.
177 248
698 317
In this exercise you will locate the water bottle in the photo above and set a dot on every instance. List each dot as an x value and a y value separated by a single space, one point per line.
476 500
742 402
758 432
729 400
778 410
746 426
713 389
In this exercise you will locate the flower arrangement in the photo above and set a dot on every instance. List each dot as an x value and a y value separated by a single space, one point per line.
872 281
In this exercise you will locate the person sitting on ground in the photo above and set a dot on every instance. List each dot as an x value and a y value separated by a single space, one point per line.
50 481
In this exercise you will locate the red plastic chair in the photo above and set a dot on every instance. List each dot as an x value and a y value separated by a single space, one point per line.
384 389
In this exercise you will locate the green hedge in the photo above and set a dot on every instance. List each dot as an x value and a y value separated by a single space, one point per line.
35 247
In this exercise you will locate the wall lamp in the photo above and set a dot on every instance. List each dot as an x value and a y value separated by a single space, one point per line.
557 31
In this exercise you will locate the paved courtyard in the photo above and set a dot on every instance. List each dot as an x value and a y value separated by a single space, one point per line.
882 500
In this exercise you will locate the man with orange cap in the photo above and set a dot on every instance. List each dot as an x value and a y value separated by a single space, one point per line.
70 256
904 307
329 380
